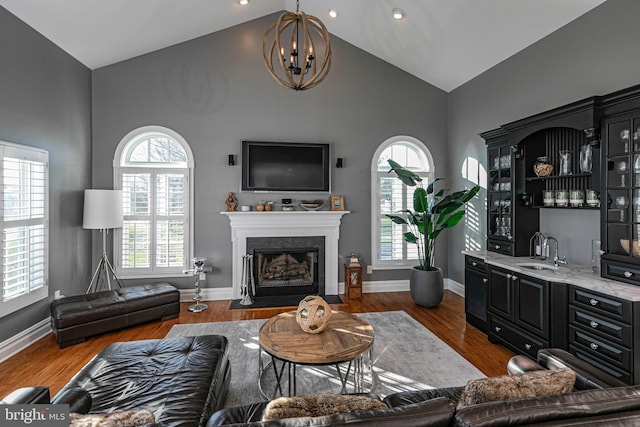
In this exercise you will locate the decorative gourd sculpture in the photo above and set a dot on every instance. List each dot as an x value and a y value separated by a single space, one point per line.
313 314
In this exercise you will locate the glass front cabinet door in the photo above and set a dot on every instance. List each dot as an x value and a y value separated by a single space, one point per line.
499 196
510 222
621 205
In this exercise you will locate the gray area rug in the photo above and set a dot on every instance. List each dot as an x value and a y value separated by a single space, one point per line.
406 356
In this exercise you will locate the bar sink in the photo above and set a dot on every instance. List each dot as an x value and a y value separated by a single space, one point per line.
537 266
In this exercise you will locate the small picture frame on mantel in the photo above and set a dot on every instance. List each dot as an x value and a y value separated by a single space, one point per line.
337 203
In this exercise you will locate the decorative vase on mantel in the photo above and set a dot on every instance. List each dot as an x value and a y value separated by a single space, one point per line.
427 286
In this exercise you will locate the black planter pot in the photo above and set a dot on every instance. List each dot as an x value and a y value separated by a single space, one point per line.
427 286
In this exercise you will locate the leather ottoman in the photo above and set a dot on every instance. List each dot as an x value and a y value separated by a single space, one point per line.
77 317
182 380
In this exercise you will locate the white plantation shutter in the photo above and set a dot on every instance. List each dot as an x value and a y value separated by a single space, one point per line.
394 197
136 229
155 181
25 233
171 220
391 196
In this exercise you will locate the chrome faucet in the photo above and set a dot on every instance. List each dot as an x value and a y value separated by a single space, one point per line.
556 259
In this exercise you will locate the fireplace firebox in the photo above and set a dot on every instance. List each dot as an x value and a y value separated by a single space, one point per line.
285 271
284 266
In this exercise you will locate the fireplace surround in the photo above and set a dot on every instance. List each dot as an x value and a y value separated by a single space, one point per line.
280 225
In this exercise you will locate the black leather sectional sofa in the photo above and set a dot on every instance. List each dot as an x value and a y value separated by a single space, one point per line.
599 400
184 380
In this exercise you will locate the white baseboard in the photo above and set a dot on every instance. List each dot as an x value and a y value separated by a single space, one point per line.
453 286
385 286
216 294
208 294
24 339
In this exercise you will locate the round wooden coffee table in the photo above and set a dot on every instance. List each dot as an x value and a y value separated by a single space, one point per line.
346 339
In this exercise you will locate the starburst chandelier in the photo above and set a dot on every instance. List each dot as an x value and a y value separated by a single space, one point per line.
307 62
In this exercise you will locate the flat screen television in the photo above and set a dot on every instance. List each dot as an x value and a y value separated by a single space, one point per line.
286 166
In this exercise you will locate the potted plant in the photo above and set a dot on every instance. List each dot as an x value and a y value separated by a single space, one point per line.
432 213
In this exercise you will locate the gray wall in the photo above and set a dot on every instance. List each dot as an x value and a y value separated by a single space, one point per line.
45 102
215 92
594 55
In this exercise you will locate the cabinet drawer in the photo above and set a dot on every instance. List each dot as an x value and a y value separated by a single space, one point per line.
623 272
620 374
615 331
598 303
475 263
515 337
600 348
500 246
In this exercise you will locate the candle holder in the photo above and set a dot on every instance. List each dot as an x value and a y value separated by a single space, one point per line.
199 271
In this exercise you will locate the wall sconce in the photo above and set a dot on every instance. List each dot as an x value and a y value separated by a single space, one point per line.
339 162
232 159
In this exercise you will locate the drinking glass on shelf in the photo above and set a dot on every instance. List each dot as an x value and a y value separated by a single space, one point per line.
622 169
586 155
576 198
562 198
548 198
621 203
565 163
624 138
636 169
593 199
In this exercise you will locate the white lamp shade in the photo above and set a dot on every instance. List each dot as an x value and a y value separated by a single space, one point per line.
102 209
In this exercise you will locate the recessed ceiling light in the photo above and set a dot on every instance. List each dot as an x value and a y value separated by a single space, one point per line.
243 2
333 13
398 13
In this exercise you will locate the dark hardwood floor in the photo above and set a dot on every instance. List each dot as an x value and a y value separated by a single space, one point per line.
43 363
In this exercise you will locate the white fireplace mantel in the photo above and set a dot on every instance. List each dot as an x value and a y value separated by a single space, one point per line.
286 224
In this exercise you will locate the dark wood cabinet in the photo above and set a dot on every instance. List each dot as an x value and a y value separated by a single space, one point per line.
524 313
515 193
475 292
532 311
602 333
500 293
510 223
620 233
553 144
519 312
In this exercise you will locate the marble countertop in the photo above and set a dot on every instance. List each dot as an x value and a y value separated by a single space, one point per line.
571 274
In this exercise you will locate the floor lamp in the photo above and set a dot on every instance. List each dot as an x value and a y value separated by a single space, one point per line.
103 211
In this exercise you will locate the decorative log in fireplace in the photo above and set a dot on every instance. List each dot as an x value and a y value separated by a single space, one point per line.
286 271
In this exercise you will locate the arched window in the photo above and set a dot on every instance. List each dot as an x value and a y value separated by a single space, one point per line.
390 196
153 167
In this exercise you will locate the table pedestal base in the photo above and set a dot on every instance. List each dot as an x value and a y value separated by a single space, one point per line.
355 368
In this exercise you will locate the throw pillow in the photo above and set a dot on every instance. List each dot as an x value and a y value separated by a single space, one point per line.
112 419
316 405
529 384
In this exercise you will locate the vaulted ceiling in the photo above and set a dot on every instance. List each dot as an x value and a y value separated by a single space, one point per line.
443 42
